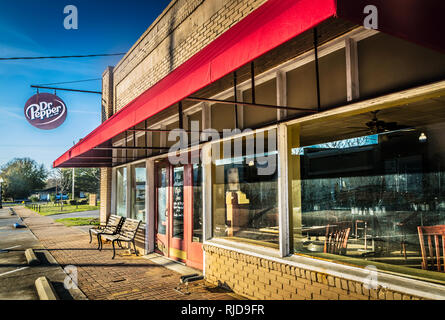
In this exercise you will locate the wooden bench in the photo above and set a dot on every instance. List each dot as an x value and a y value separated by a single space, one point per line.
126 234
112 226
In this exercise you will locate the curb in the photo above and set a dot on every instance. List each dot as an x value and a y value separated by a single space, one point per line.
45 289
31 257
80 295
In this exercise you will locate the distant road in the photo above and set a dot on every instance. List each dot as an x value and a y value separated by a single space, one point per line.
83 214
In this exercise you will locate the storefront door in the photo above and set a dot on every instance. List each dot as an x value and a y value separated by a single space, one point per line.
178 231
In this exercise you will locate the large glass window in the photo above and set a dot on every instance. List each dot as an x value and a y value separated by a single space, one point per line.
197 203
138 182
161 199
369 188
244 191
121 191
178 203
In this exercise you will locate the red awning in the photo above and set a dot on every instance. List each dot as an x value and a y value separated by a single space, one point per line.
269 26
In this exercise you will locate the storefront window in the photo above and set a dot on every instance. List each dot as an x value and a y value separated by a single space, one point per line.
178 202
138 182
244 193
161 200
197 203
121 191
362 190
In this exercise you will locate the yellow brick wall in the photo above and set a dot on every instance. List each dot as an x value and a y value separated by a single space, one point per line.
106 173
105 194
263 279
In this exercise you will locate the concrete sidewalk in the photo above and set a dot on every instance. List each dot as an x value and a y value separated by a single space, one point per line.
127 277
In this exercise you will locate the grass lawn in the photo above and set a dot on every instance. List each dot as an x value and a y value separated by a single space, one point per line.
47 210
70 222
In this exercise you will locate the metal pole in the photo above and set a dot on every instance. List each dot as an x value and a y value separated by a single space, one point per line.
126 150
236 99
72 195
252 79
146 140
1 204
180 115
66 89
317 70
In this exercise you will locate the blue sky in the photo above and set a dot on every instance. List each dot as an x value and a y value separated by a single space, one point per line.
35 28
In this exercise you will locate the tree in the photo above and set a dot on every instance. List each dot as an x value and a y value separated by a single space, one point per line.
61 179
85 180
22 176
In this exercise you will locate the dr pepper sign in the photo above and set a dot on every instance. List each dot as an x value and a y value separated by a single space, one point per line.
45 111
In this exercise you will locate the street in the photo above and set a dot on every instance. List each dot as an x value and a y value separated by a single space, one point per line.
16 276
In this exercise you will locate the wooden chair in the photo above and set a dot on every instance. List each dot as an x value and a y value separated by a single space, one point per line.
112 226
337 237
434 255
126 234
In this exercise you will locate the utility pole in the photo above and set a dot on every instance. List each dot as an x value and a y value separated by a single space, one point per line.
1 203
72 195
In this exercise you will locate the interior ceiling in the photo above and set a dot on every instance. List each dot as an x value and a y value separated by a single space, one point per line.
418 114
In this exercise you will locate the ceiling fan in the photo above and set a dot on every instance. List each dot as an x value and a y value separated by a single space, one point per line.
376 126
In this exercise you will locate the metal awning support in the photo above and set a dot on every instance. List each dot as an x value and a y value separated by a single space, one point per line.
252 78
130 148
181 116
66 89
168 130
317 69
146 139
236 99
98 158
249 104
126 145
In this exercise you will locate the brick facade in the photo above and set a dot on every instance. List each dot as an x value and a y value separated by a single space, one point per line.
105 194
259 278
106 173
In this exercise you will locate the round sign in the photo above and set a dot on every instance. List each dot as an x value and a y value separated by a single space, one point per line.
45 111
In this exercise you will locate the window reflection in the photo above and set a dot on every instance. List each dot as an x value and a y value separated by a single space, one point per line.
121 192
245 202
138 182
365 197
178 202
197 203
161 201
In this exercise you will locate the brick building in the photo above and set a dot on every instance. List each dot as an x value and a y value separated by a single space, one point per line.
331 179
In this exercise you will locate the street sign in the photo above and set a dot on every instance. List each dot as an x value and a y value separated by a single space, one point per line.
45 111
